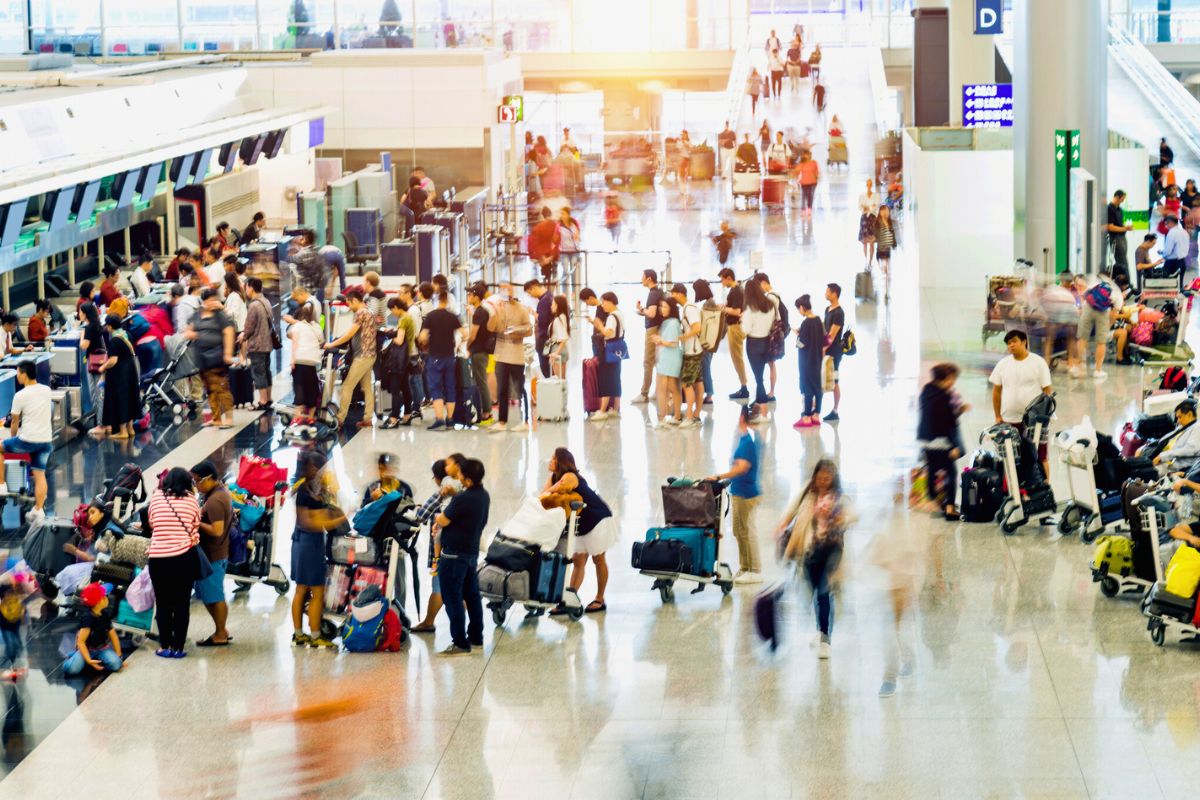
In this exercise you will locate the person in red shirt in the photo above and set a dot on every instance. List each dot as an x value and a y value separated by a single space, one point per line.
39 323
108 288
544 240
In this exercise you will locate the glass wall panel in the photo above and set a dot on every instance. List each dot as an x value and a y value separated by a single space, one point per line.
609 26
376 23
12 26
66 26
537 24
455 23
218 25
136 27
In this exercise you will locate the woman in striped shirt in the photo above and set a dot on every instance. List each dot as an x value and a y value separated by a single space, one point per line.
174 562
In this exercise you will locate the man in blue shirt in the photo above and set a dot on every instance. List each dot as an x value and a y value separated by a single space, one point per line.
462 524
1175 247
744 491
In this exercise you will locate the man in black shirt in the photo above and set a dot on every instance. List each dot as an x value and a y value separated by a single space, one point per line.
650 311
747 153
835 326
726 142
1116 229
462 523
437 334
545 315
735 301
481 343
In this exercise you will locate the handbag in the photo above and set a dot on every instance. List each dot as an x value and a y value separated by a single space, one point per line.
95 361
205 570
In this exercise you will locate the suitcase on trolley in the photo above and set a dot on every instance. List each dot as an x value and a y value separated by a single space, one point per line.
774 190
496 581
552 400
591 385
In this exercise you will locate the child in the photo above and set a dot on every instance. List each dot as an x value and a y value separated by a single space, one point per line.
12 617
723 239
612 217
97 645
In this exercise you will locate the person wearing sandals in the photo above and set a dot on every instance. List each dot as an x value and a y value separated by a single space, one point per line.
939 435
315 517
216 520
172 558
597 530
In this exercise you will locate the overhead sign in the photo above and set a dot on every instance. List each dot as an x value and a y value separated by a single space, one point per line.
512 109
988 19
987 105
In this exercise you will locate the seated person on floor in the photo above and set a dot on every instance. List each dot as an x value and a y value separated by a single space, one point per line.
96 644
1179 450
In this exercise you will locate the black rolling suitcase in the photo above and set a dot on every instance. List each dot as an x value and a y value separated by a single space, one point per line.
241 386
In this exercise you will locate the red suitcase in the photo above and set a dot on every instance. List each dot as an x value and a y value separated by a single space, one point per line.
774 190
591 385
1129 441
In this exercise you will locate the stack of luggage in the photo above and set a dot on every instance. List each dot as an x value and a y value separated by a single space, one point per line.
687 543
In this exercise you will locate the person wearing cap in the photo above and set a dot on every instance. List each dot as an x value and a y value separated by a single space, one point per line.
744 493
1175 247
96 643
216 521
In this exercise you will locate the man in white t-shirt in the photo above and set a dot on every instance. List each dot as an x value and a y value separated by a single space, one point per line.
139 279
693 353
1099 306
1017 379
32 432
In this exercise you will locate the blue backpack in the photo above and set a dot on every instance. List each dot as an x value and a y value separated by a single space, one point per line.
239 553
137 326
364 636
1099 296
369 515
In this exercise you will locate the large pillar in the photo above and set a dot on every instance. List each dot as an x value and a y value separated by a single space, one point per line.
972 58
931 64
1059 82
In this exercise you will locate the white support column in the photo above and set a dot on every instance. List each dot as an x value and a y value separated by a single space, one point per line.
179 22
99 257
1060 49
170 243
71 266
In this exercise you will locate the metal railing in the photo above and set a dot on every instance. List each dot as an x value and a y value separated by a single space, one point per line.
1148 27
1169 97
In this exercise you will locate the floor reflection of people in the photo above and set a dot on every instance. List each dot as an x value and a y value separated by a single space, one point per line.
13 732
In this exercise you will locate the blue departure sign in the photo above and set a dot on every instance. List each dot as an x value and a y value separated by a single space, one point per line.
987 105
988 17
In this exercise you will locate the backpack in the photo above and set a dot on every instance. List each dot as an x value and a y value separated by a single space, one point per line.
393 633
712 327
777 338
1174 379
849 343
239 552
136 326
1099 297
1142 333
364 636
369 515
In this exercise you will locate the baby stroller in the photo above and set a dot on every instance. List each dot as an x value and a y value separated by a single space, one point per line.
369 555
322 425
533 573
1130 563
686 548
160 391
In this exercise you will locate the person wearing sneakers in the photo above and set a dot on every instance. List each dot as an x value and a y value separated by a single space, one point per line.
1016 380
608 324
32 434
810 349
438 331
693 356
835 326
735 301
462 523
762 310
744 493
650 312
814 526
1098 310
510 322
316 515
363 339
668 364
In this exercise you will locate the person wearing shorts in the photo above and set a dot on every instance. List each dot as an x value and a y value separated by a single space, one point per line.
32 433
693 358
835 326
1096 318
216 522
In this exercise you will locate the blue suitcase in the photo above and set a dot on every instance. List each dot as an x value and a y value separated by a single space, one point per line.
551 578
701 541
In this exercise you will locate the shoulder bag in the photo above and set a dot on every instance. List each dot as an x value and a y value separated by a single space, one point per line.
203 565
615 349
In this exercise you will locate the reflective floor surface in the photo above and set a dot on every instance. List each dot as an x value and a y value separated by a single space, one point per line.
1021 680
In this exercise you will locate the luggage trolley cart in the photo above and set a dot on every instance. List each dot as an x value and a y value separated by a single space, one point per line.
356 561
1164 611
1018 455
1122 568
1089 511
688 546
541 585
1164 292
746 184
260 565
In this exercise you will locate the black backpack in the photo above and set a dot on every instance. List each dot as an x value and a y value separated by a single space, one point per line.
981 495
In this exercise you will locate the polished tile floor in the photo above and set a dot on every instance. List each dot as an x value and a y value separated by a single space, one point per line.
1025 681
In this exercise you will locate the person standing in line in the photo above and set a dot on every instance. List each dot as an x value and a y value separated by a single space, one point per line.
1016 380
754 89
810 350
307 340
462 523
817 519
94 346
396 359
808 172
570 241
597 528
702 291
122 396
560 336
608 376
1116 230
760 315
689 372
735 302
744 493
216 520
650 312
781 309
258 341
835 327
363 340
32 433
316 515
481 343
172 558
213 333
510 322
939 436
235 301
868 208
668 364
438 333
544 302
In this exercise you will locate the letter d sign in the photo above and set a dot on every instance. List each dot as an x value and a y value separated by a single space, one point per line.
987 17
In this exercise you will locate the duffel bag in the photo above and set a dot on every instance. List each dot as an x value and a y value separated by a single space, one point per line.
113 572
693 506
662 555
497 583
512 555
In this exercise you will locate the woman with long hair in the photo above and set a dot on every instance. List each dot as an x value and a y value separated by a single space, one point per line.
94 344
316 515
570 240
758 316
173 558
396 362
815 526
703 293
235 301
122 396
669 363
597 530
868 207
885 240
307 341
560 335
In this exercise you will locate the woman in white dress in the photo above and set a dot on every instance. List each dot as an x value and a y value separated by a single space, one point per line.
597 530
